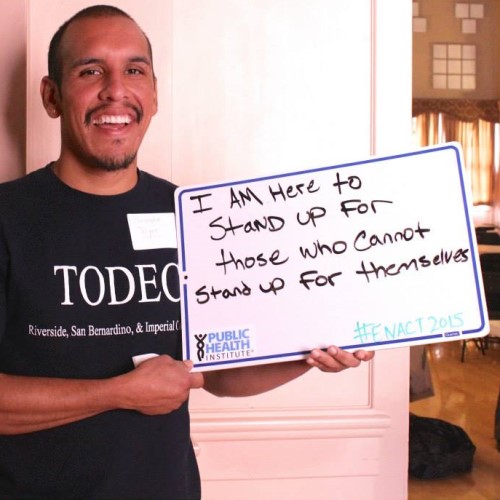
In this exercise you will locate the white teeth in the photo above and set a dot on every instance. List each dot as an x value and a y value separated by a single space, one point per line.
112 120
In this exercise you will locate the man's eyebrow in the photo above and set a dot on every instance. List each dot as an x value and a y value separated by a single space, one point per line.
140 59
85 61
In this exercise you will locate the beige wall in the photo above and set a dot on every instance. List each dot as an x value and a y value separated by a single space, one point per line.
13 89
443 27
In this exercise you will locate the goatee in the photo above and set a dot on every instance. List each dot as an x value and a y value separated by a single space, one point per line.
113 164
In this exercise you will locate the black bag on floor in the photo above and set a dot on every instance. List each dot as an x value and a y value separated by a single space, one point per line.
438 448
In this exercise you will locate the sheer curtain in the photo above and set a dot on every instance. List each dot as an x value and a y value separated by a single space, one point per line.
477 139
427 129
472 124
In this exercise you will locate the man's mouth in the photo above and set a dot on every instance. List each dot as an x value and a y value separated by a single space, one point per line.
112 120
99 117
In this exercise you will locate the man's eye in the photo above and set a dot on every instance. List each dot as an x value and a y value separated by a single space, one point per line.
90 72
134 71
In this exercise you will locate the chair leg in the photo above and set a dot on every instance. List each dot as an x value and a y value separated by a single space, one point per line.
497 422
480 345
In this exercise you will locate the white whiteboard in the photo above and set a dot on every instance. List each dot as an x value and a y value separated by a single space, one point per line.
371 254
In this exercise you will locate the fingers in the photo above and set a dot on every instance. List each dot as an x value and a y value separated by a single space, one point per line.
161 385
364 355
335 359
197 380
188 364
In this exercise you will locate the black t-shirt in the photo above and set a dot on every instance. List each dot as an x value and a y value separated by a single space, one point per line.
78 301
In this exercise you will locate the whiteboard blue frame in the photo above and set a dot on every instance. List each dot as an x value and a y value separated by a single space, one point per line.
479 329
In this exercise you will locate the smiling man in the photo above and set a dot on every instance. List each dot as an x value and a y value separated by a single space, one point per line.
77 419
102 84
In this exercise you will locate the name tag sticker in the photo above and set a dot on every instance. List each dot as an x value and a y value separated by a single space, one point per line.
152 231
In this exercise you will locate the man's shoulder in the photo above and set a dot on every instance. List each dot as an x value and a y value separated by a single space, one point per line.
23 187
156 185
156 181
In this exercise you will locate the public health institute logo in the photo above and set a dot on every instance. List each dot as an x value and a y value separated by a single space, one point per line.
225 345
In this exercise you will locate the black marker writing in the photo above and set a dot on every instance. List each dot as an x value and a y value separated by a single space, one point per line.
269 223
336 248
250 261
387 270
313 278
292 191
203 295
310 216
360 207
353 181
274 286
241 198
363 242
199 198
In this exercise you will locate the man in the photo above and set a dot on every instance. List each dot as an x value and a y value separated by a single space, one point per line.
77 420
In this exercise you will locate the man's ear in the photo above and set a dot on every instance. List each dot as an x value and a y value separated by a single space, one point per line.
156 96
50 97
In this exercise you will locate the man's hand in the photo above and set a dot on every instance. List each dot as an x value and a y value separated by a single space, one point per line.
251 380
336 359
159 385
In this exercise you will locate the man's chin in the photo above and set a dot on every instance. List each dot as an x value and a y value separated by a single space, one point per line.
113 164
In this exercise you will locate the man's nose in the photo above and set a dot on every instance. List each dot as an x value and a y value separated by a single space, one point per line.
114 87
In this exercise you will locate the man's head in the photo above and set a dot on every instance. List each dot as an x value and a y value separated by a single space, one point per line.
101 84
54 55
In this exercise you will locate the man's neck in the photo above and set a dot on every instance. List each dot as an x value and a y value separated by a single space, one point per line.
96 181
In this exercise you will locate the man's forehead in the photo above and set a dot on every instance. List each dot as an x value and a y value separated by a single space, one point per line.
84 36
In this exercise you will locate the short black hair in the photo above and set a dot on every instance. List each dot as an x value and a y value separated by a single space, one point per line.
95 11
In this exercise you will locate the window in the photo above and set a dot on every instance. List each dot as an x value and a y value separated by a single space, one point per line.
454 66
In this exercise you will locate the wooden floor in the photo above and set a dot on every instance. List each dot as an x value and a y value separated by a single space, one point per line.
465 395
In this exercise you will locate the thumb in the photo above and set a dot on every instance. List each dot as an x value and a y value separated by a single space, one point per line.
188 364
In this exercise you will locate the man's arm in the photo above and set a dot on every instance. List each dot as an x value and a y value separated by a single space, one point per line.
156 386
252 380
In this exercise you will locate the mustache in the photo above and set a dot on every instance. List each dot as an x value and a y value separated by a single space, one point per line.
137 112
